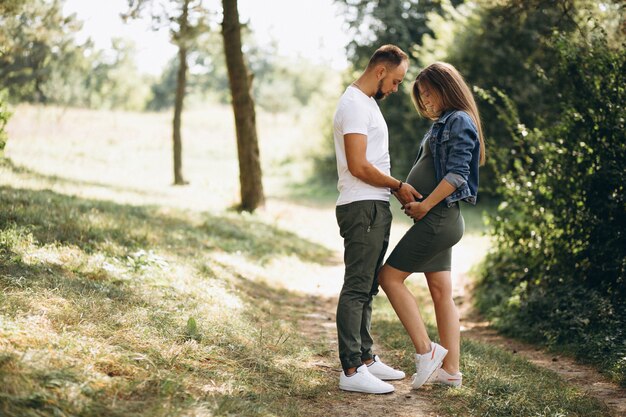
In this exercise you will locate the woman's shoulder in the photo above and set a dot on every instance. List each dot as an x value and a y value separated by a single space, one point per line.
459 115
462 118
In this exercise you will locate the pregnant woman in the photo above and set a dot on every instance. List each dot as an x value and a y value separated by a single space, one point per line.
445 173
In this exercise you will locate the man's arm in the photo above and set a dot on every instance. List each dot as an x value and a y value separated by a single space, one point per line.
358 165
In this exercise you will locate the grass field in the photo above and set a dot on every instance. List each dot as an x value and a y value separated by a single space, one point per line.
125 296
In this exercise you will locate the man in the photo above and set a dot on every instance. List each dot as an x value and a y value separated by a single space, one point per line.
363 215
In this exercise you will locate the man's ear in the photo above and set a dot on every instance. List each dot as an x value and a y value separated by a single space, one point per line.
381 71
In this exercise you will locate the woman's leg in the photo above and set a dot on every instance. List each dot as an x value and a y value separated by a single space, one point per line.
448 325
403 302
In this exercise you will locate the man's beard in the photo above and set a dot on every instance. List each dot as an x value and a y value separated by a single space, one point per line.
379 92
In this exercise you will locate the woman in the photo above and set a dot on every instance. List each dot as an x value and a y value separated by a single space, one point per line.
445 173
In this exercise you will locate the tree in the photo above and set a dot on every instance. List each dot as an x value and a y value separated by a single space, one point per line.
164 89
250 177
34 36
4 119
186 19
7 7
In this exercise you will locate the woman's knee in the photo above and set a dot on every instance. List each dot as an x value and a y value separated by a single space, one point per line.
440 289
441 296
387 278
383 277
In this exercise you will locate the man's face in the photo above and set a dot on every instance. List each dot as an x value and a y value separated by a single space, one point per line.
391 80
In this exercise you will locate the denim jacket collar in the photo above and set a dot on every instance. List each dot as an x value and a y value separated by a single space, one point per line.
444 117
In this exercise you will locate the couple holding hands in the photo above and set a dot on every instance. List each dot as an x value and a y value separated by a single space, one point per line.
444 173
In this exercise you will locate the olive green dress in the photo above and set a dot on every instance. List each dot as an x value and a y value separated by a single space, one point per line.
427 245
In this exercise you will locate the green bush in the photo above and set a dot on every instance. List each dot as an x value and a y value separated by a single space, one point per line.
4 119
557 274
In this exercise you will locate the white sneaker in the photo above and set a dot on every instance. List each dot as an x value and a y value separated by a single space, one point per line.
384 372
428 363
441 376
363 381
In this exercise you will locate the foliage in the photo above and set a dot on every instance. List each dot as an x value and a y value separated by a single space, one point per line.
403 23
374 23
508 46
4 119
163 90
42 62
9 6
113 80
34 37
557 274
279 84
207 77
495 44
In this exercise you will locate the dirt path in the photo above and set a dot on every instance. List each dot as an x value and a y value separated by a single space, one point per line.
319 324
584 377
323 285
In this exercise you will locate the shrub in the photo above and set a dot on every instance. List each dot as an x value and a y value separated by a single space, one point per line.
558 269
4 119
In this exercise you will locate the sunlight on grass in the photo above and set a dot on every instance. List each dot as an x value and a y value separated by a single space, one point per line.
125 296
98 299
126 157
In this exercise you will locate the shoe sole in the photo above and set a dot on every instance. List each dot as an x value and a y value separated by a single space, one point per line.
447 384
399 378
438 364
424 383
366 392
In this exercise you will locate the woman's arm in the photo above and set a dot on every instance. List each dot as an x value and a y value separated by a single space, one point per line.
418 209
463 139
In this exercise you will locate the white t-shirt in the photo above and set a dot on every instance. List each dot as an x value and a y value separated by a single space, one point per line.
358 113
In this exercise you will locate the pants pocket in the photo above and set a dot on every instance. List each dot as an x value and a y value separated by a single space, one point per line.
372 218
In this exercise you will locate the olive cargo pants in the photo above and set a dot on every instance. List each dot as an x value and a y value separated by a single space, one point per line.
364 227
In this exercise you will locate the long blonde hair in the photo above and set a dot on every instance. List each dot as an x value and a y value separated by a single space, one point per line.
446 82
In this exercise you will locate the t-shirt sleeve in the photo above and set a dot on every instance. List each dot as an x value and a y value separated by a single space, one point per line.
355 119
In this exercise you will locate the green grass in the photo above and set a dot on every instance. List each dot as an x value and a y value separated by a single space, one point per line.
495 382
111 309
123 296
498 383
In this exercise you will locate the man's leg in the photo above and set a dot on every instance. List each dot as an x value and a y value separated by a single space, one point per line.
363 225
380 233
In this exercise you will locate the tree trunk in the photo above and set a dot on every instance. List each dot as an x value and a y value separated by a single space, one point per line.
178 109
181 83
250 177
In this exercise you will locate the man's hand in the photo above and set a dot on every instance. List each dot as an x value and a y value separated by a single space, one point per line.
416 210
407 194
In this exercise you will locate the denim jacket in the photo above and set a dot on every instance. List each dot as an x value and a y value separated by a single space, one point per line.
453 141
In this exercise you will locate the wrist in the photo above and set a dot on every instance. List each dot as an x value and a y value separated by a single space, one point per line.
428 203
396 189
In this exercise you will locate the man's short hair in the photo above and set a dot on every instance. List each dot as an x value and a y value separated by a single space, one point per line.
390 55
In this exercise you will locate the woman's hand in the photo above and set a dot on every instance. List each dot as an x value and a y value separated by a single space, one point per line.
416 210
406 194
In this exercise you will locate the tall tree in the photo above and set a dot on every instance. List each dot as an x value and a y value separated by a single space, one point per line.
250 177
186 20
35 37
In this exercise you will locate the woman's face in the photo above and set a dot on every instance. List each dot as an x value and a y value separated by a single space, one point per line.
431 100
